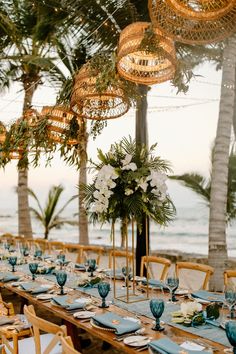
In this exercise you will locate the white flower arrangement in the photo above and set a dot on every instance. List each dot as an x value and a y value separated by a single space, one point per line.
130 181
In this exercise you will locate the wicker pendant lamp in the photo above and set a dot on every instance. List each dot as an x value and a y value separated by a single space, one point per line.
87 101
31 116
142 66
194 21
59 118
3 133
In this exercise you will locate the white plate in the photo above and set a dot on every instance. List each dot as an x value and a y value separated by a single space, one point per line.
16 283
181 292
83 300
136 341
44 296
201 301
84 314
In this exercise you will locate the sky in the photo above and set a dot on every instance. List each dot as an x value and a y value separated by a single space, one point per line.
183 126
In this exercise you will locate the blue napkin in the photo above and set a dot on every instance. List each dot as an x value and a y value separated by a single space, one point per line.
166 346
66 303
121 326
208 296
10 277
80 266
39 290
154 282
28 286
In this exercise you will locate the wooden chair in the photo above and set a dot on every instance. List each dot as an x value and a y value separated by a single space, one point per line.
56 246
120 258
73 252
7 309
193 276
230 277
158 267
42 244
90 251
38 344
67 345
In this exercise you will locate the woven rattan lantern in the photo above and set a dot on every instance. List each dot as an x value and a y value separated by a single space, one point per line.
31 116
59 118
194 21
144 67
3 133
91 104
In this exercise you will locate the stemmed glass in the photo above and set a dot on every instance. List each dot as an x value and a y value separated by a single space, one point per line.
12 261
33 267
172 282
7 246
230 299
61 277
103 290
38 254
157 307
92 266
230 329
126 271
61 259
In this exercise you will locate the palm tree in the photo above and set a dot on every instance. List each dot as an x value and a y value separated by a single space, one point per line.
48 216
202 186
217 251
29 30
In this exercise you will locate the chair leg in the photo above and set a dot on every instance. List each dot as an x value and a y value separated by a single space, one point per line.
23 302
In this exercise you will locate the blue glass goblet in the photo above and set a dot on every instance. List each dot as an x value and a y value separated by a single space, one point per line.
7 246
157 307
230 328
103 290
24 251
92 266
230 299
33 267
61 258
12 261
61 280
38 254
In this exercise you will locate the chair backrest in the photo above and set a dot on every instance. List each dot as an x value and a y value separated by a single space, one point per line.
157 267
56 246
67 345
42 244
193 276
39 324
90 251
120 258
73 252
6 308
230 277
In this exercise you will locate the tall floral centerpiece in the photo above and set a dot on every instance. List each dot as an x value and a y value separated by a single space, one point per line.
130 183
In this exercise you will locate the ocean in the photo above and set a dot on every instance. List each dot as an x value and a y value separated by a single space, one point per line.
187 233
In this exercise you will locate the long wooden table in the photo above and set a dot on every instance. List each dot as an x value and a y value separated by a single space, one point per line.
178 335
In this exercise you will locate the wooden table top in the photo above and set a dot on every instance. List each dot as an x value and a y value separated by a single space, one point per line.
176 334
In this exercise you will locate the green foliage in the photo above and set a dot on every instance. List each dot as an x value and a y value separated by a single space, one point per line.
130 182
48 215
202 187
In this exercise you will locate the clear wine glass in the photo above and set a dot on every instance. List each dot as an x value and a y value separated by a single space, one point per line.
126 271
172 282
92 266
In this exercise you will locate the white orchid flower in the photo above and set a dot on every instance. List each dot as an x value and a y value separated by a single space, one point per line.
132 166
126 160
128 191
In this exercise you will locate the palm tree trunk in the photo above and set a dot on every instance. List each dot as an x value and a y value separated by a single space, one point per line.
83 219
217 224
24 220
141 137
